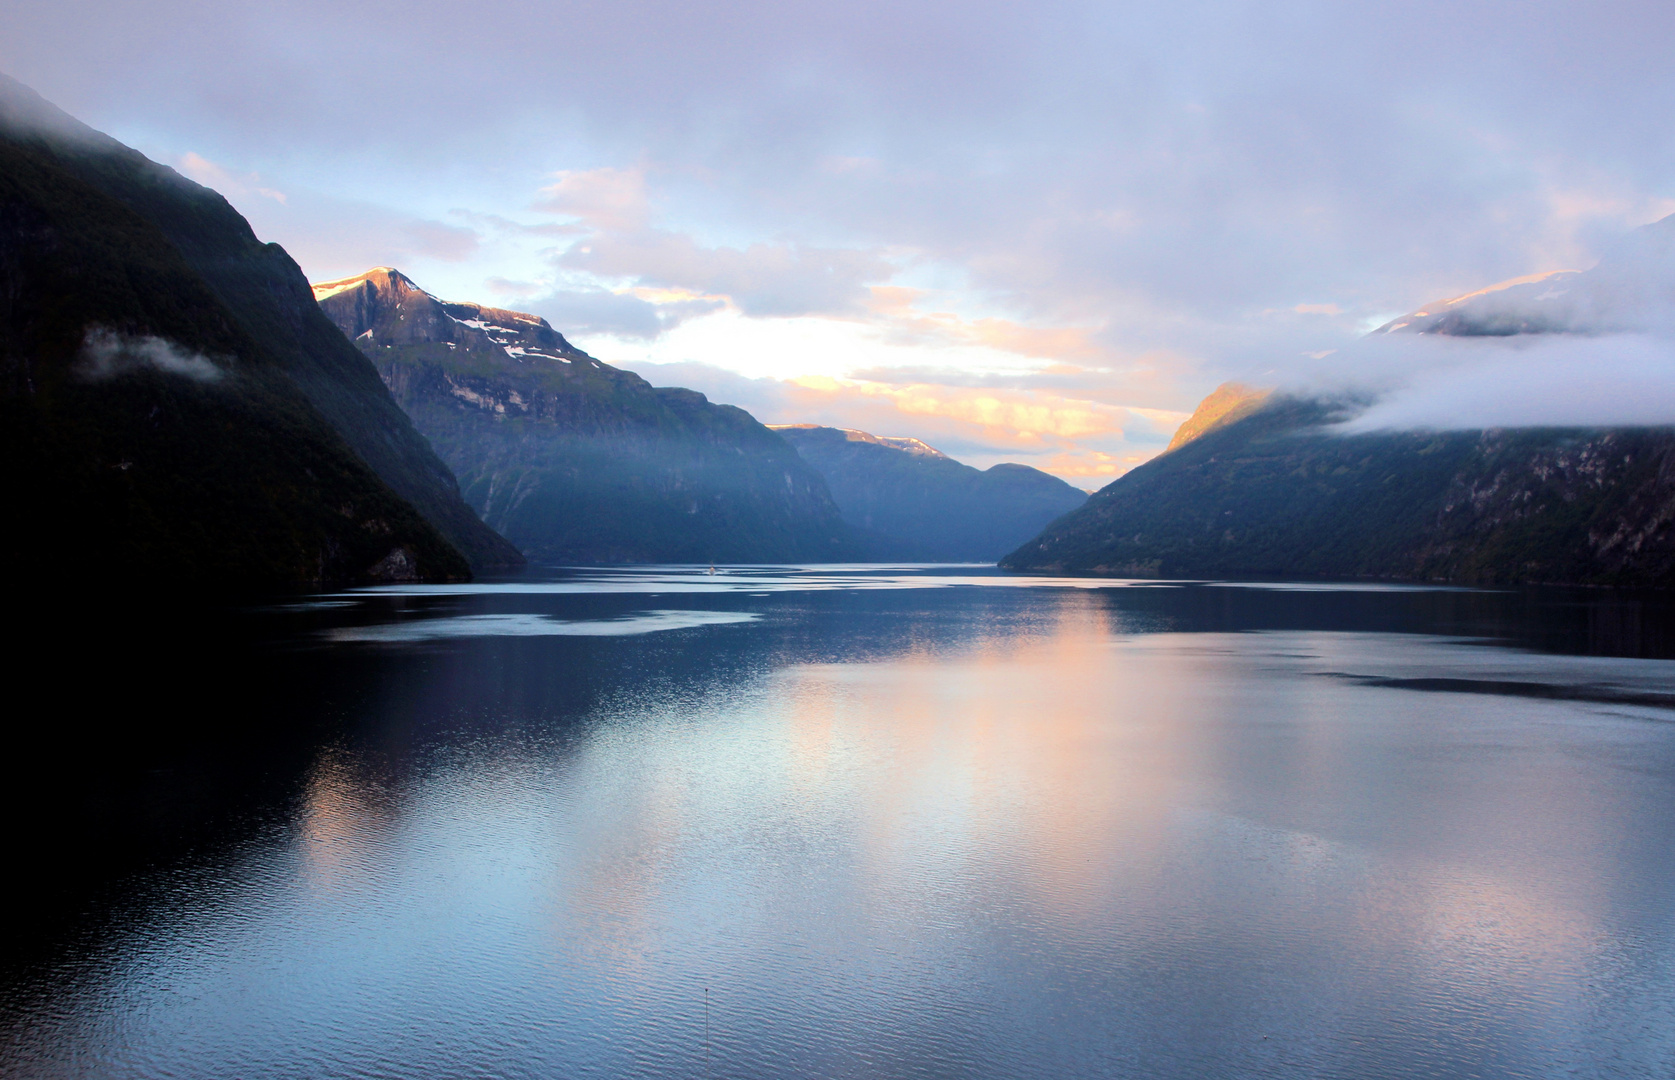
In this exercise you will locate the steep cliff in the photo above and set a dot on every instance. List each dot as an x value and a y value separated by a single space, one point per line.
263 291
578 461
909 501
155 436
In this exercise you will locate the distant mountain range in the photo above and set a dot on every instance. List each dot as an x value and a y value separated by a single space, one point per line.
1265 484
906 500
176 407
574 460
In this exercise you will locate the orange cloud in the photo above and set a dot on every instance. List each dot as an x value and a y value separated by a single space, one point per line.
894 306
1077 440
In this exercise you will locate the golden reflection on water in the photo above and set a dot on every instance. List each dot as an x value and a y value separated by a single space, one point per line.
1063 773
1066 790
344 814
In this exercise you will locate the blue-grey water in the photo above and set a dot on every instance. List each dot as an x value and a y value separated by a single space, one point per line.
848 822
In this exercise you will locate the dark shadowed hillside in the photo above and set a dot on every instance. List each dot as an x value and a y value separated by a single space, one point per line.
155 431
912 502
1278 493
578 461
267 295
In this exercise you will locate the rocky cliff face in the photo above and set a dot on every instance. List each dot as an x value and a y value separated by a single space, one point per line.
910 501
1278 493
578 461
156 416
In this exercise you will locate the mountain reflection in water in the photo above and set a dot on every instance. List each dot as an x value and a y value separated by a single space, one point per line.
898 822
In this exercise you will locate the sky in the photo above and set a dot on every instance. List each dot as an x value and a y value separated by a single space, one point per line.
1020 232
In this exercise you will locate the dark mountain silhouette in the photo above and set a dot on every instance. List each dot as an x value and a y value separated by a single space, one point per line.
176 410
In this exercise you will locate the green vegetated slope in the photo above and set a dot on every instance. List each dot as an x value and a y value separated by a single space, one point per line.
154 437
909 501
1276 492
577 461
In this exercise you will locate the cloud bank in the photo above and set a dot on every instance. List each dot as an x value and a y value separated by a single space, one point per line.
1529 381
1589 348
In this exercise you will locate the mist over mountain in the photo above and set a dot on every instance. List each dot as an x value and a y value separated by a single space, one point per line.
1521 433
574 460
1631 290
1573 348
909 501
176 410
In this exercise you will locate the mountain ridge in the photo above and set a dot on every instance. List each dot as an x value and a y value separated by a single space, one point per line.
909 500
576 460
1279 493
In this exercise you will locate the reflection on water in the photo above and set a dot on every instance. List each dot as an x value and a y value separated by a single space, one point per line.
527 624
900 823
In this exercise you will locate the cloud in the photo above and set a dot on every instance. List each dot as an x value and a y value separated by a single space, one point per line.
776 280
613 200
209 174
1220 187
619 243
583 312
1077 439
1566 380
333 238
106 354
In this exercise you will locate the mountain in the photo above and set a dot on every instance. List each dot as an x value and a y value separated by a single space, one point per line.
1278 493
909 501
577 461
1632 289
268 296
1270 485
169 407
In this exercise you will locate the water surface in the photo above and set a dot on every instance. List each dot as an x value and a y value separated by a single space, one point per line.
885 822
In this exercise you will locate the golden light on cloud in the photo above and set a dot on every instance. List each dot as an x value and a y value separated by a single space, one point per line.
1074 439
895 307
1019 414
654 295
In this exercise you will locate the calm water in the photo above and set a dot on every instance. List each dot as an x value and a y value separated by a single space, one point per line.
830 822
